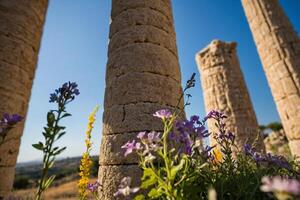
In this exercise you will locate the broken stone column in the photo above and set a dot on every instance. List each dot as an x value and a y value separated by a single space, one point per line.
142 76
21 24
224 89
278 46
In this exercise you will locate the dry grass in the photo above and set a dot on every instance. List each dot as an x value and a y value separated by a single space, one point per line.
66 191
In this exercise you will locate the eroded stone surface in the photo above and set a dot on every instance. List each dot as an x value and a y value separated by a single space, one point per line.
110 177
142 87
225 90
160 6
278 46
7 178
277 144
21 24
143 34
142 57
112 153
132 118
141 16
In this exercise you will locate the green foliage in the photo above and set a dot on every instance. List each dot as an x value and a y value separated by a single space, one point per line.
52 132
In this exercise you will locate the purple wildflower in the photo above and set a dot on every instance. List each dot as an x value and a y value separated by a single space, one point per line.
163 114
207 154
7 122
153 137
141 135
131 146
215 115
124 188
279 184
188 133
66 93
270 159
93 187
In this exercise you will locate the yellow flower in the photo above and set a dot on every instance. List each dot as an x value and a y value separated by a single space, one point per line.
218 157
86 162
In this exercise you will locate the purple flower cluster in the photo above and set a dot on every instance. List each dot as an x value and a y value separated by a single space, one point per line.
268 158
65 94
93 187
124 188
131 147
188 132
8 121
148 142
279 184
215 115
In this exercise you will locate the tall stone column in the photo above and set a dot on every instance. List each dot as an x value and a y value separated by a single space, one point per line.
224 89
278 46
21 24
142 76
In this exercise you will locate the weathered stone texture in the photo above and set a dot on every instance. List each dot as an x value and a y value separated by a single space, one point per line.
278 46
277 144
21 24
142 76
111 175
224 89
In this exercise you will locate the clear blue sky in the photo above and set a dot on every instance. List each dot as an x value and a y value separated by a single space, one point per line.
74 47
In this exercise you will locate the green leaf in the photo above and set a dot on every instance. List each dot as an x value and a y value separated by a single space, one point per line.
60 134
39 146
50 118
49 181
66 115
177 168
59 151
46 134
139 197
148 178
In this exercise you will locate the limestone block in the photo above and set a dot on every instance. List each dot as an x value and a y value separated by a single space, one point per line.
9 151
143 57
142 87
112 154
132 118
7 178
140 16
143 34
110 177
120 6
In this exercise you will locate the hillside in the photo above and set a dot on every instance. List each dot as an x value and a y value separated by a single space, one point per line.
66 170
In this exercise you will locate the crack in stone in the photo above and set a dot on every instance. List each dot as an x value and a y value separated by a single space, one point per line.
112 80
144 102
147 43
12 37
144 42
138 7
130 26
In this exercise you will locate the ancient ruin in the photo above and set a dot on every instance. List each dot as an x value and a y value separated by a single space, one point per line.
224 89
21 24
278 46
142 77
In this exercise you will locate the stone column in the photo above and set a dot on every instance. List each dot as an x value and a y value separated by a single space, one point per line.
224 89
279 49
142 76
21 24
